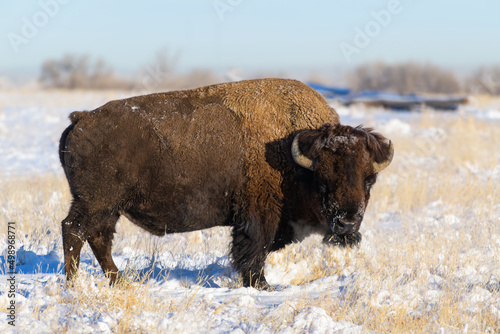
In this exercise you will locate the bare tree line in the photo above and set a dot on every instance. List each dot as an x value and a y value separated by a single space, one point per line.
403 78
411 77
81 72
486 81
73 71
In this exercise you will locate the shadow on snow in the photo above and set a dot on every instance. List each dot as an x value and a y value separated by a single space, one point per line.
29 263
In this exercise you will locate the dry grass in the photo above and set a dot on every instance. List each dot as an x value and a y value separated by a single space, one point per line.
431 243
485 101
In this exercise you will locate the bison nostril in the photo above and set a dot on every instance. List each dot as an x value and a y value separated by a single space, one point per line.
343 226
346 222
338 227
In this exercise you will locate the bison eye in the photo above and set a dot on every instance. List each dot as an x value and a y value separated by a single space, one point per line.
370 181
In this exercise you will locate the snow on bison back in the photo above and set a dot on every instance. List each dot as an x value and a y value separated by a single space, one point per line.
267 157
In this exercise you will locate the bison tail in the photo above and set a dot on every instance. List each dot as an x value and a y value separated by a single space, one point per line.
74 117
62 142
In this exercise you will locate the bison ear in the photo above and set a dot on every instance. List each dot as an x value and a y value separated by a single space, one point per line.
307 143
379 166
300 158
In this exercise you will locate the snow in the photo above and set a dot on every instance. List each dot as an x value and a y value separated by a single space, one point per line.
396 126
315 320
29 132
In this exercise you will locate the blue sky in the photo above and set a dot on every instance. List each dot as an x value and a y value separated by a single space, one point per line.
255 35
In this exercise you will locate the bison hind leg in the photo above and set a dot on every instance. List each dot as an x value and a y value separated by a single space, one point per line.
96 228
73 235
100 239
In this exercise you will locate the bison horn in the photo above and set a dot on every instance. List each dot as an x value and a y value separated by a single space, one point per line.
299 158
381 166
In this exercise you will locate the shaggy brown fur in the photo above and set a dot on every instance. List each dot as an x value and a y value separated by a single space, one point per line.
216 155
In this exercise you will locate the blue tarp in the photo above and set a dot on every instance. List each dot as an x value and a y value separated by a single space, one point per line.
329 92
390 100
404 102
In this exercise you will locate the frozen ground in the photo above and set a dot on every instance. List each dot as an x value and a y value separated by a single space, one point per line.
184 283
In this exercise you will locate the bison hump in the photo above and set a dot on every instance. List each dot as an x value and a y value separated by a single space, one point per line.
75 116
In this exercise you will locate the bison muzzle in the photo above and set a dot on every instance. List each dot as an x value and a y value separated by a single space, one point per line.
269 158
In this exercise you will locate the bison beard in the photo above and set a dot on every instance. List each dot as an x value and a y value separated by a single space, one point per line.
348 240
267 157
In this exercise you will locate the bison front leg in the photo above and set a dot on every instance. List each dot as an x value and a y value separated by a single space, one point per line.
252 240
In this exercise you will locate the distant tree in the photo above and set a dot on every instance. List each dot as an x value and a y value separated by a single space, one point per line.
73 71
486 80
200 77
159 73
403 78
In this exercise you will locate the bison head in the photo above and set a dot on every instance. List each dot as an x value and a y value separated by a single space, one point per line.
339 165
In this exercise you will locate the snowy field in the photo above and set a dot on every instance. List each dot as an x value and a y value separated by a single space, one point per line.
429 261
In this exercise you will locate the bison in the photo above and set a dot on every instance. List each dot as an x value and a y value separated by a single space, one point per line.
267 157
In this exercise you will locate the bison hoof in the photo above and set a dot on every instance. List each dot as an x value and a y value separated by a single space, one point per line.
347 240
264 286
116 278
70 282
259 285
